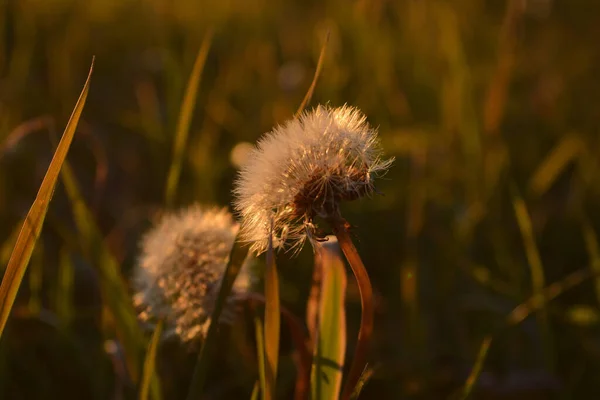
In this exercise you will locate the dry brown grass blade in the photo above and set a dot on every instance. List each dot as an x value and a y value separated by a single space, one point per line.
32 226
313 84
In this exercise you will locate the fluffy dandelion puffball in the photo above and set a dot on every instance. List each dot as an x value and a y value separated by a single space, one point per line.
303 169
180 267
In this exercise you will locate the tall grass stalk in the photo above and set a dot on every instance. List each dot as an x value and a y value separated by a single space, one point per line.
185 119
236 259
32 226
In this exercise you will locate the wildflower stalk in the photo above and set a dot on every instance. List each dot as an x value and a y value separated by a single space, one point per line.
340 229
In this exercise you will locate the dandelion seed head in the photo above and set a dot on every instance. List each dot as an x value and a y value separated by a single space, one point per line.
181 263
303 169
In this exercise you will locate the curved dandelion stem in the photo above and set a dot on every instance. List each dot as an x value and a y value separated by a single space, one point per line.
340 229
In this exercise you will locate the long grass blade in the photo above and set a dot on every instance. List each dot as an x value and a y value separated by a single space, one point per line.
32 226
477 368
536 268
185 118
313 84
236 259
150 361
554 163
255 390
260 354
113 289
364 378
272 320
330 343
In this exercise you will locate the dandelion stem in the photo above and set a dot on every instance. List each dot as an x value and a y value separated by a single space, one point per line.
340 229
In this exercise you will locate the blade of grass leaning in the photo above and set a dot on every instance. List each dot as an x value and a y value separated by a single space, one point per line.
477 368
150 361
330 343
32 226
255 391
236 259
313 84
364 378
260 355
272 320
536 269
555 162
113 289
185 118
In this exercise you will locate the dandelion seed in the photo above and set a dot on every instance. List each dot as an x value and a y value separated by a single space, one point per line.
304 169
180 267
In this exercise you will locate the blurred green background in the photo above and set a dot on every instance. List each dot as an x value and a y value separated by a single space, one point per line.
491 109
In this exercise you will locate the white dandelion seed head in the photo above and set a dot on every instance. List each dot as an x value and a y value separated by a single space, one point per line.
180 267
302 169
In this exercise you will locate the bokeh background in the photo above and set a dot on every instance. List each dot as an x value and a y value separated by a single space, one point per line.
491 109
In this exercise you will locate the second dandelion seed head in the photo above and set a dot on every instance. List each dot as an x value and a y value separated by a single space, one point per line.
180 267
304 169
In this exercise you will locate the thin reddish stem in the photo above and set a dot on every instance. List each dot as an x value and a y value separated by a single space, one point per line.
340 229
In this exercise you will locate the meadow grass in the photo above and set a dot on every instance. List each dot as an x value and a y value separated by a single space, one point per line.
487 217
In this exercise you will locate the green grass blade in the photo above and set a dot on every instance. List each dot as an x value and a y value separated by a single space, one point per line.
330 344
568 149
272 321
64 291
185 118
113 289
260 353
255 391
477 368
362 381
150 362
536 268
236 259
32 226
